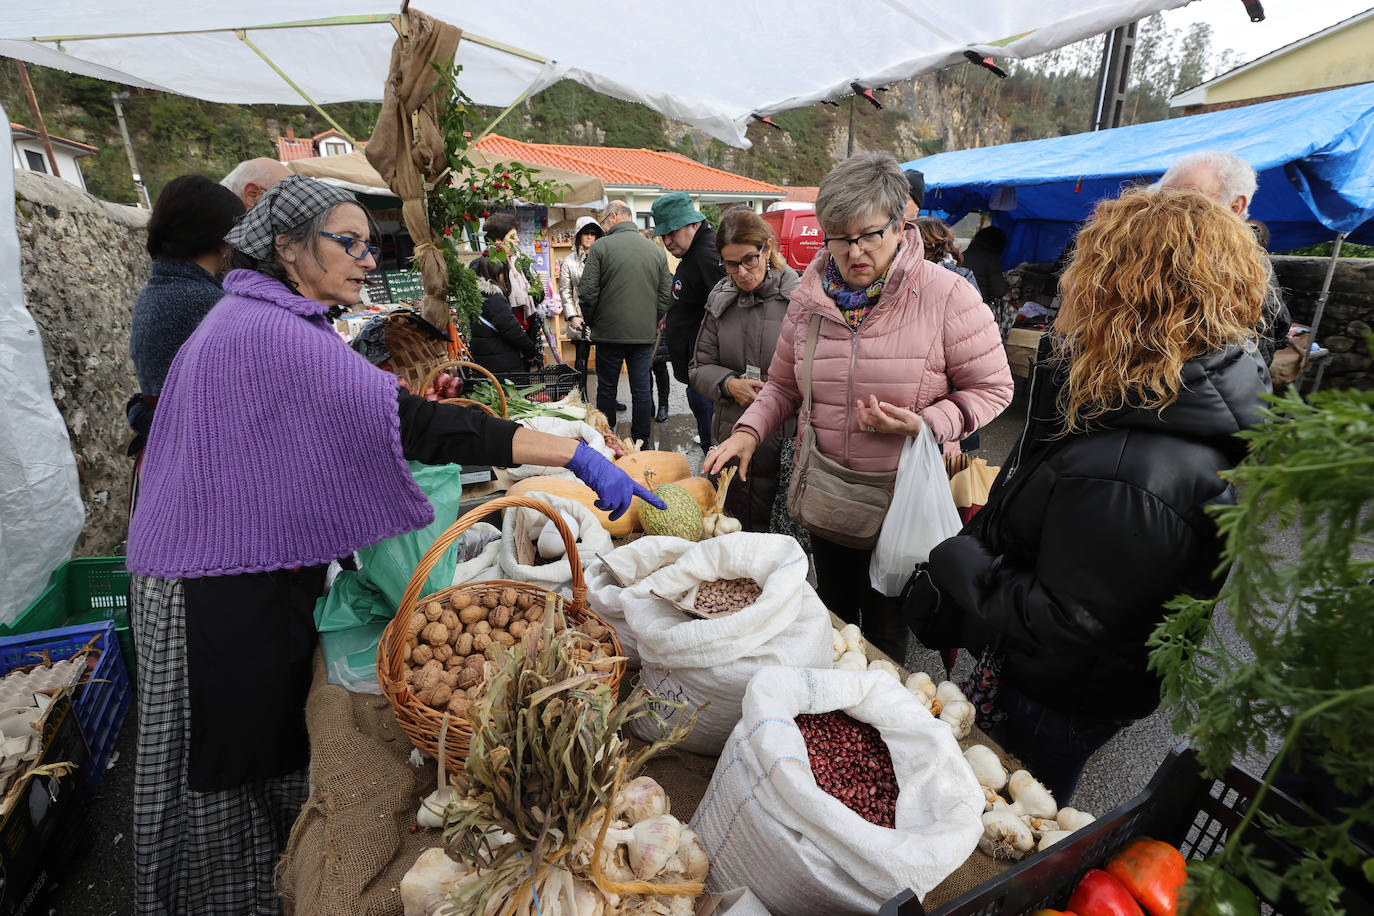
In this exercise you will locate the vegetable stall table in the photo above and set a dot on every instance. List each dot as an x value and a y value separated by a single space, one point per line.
356 836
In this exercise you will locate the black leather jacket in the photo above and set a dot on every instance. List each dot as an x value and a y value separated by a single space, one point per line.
1085 537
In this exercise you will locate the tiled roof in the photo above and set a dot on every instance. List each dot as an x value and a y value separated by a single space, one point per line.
617 166
27 132
289 148
802 195
329 133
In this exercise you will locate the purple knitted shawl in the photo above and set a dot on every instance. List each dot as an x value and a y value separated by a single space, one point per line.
274 445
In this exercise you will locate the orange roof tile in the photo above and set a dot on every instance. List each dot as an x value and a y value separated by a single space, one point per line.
289 148
632 167
329 133
802 195
29 132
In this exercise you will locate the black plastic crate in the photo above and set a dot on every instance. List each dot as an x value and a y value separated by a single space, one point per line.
553 382
1179 806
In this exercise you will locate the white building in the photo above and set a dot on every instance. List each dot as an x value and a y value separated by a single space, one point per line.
29 154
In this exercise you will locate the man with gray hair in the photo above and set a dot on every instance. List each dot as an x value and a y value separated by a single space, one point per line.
253 178
623 293
1231 182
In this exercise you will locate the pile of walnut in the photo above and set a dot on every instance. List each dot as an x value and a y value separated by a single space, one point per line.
447 648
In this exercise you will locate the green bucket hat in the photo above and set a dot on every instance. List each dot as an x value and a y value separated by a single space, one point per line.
673 211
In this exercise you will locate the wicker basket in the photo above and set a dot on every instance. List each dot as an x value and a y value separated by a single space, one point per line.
464 364
414 346
420 722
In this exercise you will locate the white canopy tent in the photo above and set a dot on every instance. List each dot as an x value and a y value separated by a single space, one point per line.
712 63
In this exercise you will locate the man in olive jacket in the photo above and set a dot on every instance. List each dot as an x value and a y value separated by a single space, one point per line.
623 293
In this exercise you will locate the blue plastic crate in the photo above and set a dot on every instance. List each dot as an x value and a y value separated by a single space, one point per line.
101 701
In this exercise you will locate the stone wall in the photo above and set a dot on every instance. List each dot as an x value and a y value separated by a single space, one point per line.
83 263
1347 319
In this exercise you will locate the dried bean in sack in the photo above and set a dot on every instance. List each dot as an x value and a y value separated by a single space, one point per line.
556 576
611 574
766 823
696 661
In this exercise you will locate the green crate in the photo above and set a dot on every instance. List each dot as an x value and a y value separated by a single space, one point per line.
83 590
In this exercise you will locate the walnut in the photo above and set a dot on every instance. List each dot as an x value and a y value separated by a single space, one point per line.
535 613
476 660
480 642
450 678
443 653
436 634
491 599
481 627
468 677
449 619
508 596
460 600
438 696
421 654
433 610
524 600
504 638
455 662
472 614
415 623
499 618
459 704
517 628
463 646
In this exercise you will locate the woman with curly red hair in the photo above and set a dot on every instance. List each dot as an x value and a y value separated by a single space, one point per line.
1100 514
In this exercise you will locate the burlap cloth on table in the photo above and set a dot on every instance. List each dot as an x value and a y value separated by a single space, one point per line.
352 843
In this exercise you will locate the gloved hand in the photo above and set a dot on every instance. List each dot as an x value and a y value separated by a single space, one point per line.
614 486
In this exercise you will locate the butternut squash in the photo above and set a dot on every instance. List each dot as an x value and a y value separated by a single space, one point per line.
578 491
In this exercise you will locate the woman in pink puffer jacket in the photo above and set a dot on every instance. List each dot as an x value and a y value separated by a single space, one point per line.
898 334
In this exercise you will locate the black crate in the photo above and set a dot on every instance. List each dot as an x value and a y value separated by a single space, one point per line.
553 382
1179 806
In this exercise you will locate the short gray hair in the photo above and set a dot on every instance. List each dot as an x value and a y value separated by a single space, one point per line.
1235 175
864 183
617 209
262 171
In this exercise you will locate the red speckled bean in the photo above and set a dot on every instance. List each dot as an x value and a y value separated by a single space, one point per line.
851 762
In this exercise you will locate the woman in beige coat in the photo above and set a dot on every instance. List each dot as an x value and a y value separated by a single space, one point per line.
587 231
744 314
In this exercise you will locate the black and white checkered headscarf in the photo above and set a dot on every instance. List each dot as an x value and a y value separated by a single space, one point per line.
290 202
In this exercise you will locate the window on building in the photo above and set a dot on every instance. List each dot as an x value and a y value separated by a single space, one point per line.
36 161
335 148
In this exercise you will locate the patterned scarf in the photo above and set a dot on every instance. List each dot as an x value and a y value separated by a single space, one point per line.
854 304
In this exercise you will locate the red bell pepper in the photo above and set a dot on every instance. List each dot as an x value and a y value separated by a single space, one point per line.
1099 894
1053 913
1153 871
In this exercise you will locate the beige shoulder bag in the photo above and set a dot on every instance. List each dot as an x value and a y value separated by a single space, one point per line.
825 497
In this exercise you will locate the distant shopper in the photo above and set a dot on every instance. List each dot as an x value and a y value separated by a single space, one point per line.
916 196
942 247
687 234
738 338
252 178
983 256
526 288
623 293
586 231
1230 181
498 343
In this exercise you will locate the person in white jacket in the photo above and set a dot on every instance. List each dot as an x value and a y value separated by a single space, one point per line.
587 231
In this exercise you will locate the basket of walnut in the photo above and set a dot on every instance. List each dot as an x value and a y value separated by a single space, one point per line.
436 654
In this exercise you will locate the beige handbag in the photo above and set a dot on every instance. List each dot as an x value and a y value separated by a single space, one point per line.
825 497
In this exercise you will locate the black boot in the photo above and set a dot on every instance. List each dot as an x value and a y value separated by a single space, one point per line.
662 415
621 408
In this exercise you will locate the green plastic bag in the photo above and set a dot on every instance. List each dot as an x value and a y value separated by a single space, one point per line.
388 565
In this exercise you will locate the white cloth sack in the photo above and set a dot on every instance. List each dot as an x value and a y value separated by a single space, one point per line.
765 822
921 515
556 576
697 661
628 564
557 426
739 902
478 555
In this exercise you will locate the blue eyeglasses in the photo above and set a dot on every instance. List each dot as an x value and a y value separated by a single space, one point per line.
354 248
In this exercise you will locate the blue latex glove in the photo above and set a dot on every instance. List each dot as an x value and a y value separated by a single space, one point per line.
614 486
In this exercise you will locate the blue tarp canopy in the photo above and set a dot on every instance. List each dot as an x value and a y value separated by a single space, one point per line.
1314 155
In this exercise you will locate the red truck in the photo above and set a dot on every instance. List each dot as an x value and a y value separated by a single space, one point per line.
799 235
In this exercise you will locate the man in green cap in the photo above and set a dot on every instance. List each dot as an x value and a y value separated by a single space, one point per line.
688 236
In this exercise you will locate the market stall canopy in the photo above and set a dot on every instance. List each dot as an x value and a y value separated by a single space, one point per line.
703 65
1314 155
354 172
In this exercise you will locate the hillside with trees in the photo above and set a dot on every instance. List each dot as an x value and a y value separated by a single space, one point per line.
957 108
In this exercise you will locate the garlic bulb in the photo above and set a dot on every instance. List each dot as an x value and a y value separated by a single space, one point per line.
690 861
991 799
1039 826
959 715
587 899
1052 837
434 807
1029 796
852 661
1072 819
853 638
708 525
949 692
921 682
651 842
1004 836
550 544
987 767
727 524
426 888
837 646
638 799
885 666
924 700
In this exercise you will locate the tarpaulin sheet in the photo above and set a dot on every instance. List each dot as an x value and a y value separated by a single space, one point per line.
1314 155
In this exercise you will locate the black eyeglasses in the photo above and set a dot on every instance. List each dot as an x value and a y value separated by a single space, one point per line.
357 249
748 262
868 241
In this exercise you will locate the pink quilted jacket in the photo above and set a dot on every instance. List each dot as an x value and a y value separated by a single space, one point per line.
929 333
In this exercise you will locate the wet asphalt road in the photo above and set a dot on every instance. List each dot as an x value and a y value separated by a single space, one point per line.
100 882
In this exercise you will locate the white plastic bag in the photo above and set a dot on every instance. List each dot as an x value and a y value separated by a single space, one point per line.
765 822
685 659
557 426
922 515
612 574
556 576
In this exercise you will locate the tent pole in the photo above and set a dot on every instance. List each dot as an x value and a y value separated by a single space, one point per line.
38 116
1321 306
243 37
